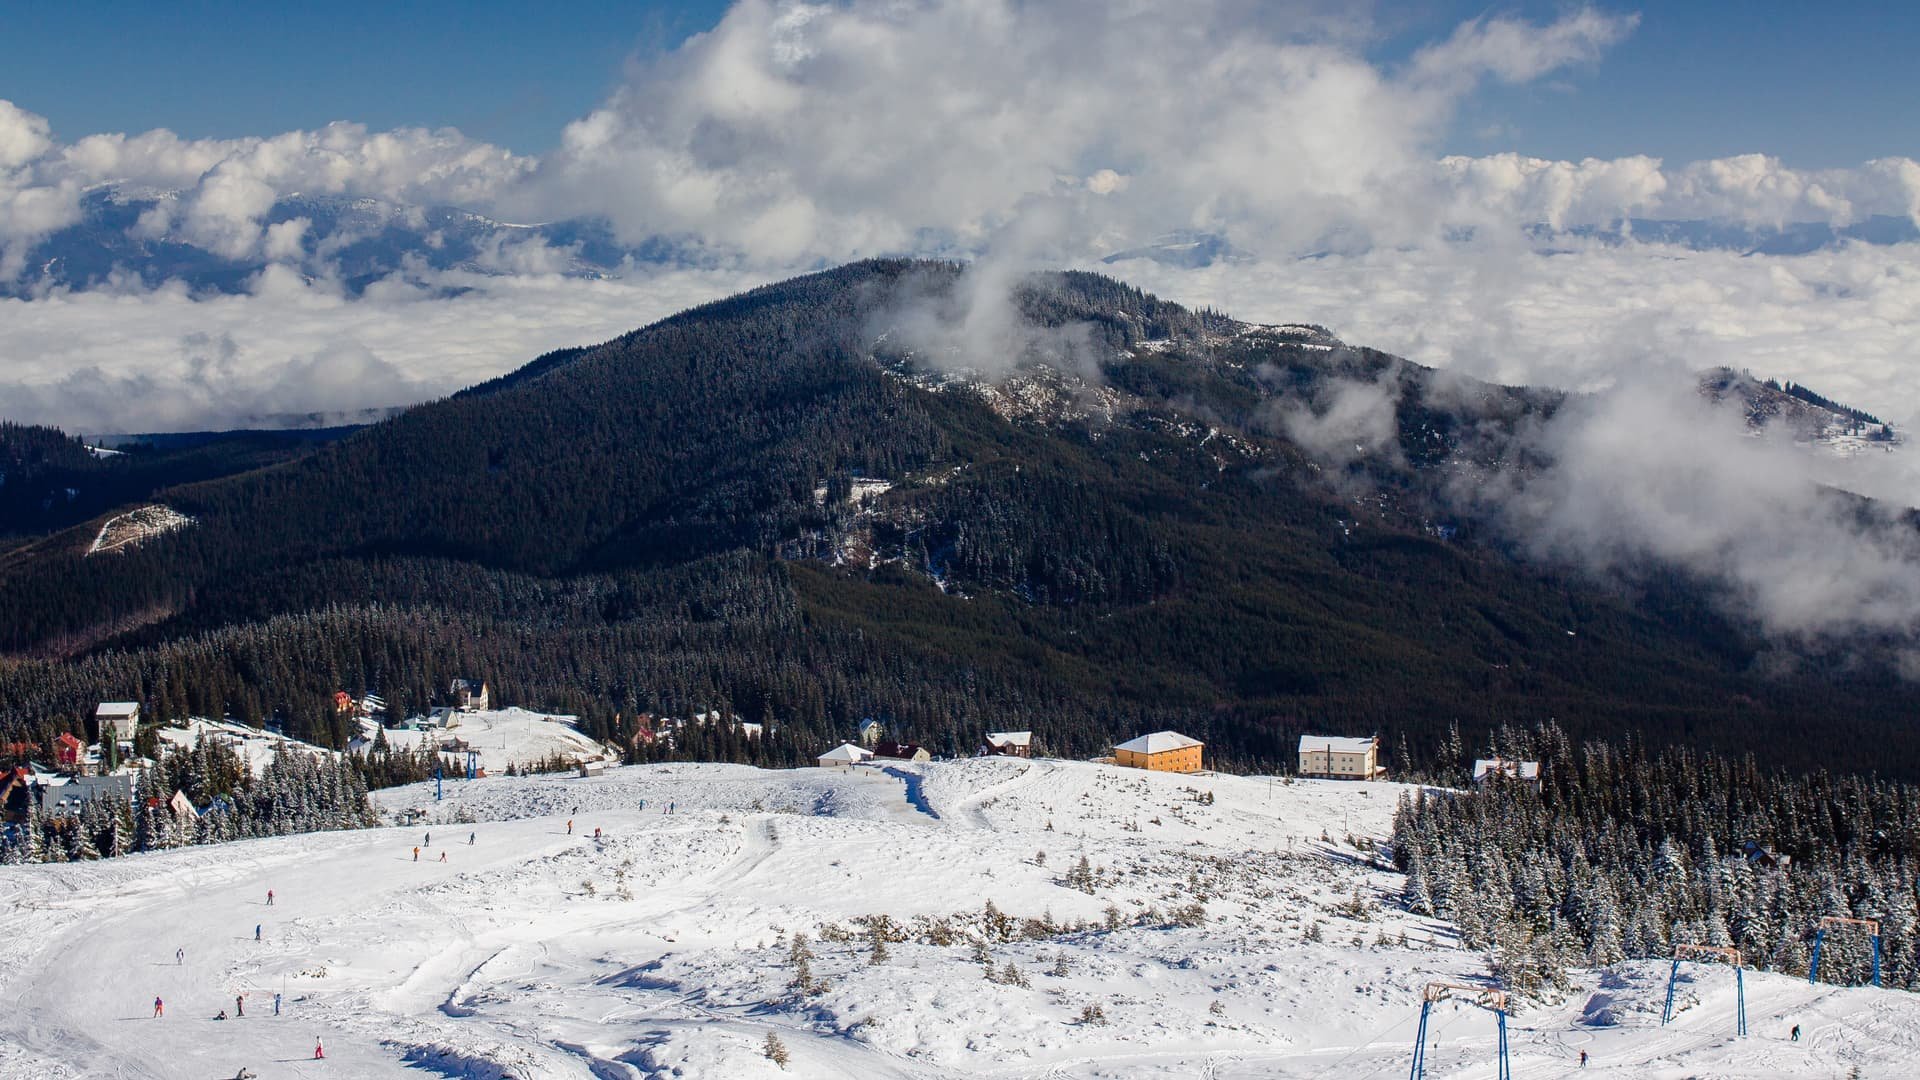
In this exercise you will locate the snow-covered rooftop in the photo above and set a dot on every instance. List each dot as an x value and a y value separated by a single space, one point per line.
1158 742
1525 770
1010 738
846 752
1339 744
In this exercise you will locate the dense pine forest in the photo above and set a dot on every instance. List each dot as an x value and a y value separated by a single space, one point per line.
634 527
1621 851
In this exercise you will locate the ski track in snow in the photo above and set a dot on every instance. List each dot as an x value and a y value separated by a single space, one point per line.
660 949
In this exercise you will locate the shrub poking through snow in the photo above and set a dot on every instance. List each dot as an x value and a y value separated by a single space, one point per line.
775 1050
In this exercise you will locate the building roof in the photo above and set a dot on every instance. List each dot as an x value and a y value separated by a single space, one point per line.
1339 744
1525 770
1009 738
66 738
847 752
79 788
1158 742
117 708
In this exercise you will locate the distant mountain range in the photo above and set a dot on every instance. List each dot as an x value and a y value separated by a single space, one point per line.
785 505
357 240
130 234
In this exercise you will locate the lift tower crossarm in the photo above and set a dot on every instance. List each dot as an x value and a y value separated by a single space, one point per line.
1871 926
1708 953
1491 998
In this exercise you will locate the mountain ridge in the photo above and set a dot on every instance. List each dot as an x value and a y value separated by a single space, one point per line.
634 527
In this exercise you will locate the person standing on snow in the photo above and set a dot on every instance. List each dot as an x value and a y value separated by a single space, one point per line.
1583 1059
416 854
239 1005
269 897
159 1008
256 931
276 1004
443 856
428 842
319 1051
470 839
179 957
569 826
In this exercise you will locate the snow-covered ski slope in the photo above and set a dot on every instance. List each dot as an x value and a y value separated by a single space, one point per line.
665 947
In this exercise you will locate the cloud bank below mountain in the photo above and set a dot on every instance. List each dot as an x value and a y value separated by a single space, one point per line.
796 135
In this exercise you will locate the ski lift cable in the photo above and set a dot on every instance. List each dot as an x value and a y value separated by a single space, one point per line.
1371 1039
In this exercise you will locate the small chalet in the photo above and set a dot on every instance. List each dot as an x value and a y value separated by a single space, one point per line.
871 732
1759 855
69 753
117 719
344 705
470 695
844 757
1485 769
899 751
1162 751
1008 744
1335 757
117 787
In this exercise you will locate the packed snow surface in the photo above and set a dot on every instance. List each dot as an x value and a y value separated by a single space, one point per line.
502 737
664 946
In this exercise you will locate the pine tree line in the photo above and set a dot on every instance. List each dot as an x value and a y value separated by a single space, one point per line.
1618 853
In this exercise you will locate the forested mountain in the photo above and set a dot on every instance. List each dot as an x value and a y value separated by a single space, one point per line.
787 505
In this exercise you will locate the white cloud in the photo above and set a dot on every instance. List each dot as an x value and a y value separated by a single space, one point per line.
23 136
836 130
1844 321
162 360
1648 471
222 188
1514 51
1353 420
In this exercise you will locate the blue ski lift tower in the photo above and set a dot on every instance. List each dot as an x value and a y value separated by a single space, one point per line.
1492 999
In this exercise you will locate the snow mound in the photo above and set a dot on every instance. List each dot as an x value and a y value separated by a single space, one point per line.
503 737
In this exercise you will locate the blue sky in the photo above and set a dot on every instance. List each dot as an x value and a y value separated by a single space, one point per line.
1815 84
511 74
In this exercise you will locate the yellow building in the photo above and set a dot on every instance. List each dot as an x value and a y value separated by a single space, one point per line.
1162 751
1340 758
